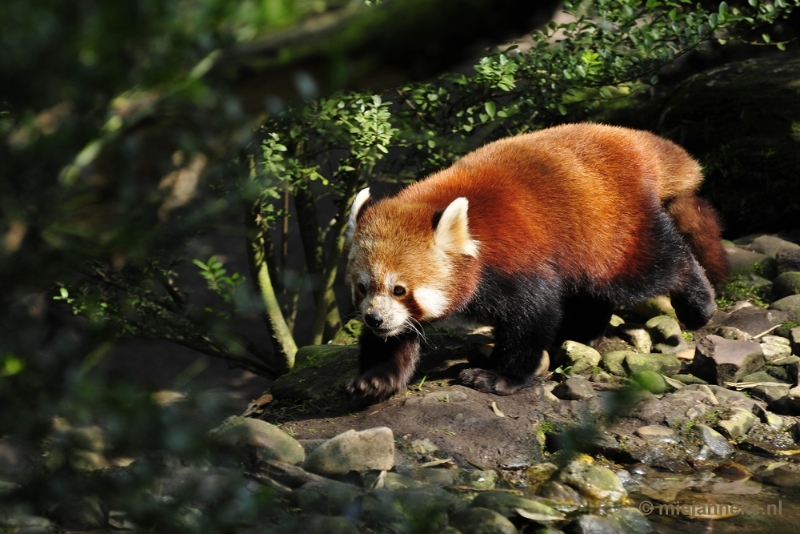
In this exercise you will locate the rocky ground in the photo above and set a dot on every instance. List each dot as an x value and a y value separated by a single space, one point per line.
656 430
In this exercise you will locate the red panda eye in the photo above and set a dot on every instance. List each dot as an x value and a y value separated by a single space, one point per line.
399 291
361 288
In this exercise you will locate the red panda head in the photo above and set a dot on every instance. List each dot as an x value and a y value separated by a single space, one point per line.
404 261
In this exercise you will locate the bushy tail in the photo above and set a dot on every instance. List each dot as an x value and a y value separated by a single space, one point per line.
699 224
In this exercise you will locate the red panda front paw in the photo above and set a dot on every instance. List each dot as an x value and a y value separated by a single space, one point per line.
371 387
489 382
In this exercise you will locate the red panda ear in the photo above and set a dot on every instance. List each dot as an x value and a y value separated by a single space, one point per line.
358 203
452 232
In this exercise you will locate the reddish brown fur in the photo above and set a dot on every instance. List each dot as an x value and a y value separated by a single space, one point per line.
572 194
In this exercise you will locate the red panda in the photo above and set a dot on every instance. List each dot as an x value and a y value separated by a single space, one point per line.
538 235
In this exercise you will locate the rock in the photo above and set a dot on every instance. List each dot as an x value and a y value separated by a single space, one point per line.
254 440
788 260
654 307
87 512
688 379
793 399
435 476
666 334
581 358
597 483
651 381
657 433
794 338
637 336
731 332
754 320
320 374
315 523
481 480
659 363
770 245
744 262
738 423
353 451
574 388
481 521
786 284
565 498
770 419
328 496
613 362
767 393
720 360
423 446
622 521
790 303
785 476
507 504
411 511
775 347
15 460
715 442
348 335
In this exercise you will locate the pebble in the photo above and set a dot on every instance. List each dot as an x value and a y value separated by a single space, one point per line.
574 388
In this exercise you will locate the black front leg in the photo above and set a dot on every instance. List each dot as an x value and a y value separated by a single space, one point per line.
525 313
386 365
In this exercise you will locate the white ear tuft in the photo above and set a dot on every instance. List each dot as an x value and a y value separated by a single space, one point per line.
452 232
358 203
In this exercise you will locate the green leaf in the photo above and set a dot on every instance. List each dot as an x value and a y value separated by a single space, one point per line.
766 37
490 108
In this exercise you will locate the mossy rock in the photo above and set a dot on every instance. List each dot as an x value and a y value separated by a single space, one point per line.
320 374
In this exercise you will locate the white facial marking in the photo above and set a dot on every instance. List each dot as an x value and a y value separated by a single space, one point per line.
432 301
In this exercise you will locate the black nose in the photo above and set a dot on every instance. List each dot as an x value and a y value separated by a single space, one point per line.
373 320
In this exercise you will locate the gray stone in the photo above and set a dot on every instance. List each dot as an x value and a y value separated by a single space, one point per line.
315 523
794 338
622 521
478 479
688 379
507 504
738 423
423 446
580 357
786 284
411 511
775 347
793 399
574 388
481 521
770 245
637 336
565 498
720 360
328 497
666 334
597 483
774 421
353 451
788 260
743 262
717 445
614 362
653 307
754 320
790 303
657 433
659 363
731 332
256 440
785 476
